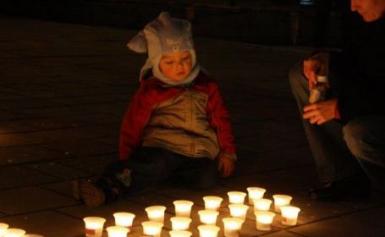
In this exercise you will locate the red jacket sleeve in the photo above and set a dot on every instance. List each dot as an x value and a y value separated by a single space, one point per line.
134 121
220 120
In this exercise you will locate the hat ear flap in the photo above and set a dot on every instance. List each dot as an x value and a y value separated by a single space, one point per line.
164 18
138 43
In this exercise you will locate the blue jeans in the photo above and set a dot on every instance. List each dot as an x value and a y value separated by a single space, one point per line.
149 167
342 151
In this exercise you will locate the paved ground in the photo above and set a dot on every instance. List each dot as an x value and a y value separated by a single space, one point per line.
63 90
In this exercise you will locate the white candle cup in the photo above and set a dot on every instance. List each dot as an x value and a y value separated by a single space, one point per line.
264 219
117 231
180 223
212 202
236 197
238 210
183 207
14 232
289 215
156 213
281 200
94 226
124 219
262 204
208 230
232 226
208 217
255 193
3 228
152 228
180 233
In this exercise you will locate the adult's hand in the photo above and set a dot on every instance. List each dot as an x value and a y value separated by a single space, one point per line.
226 165
310 68
321 112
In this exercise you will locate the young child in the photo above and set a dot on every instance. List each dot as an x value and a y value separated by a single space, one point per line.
176 127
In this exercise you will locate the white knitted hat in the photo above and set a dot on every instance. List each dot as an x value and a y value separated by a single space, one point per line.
164 35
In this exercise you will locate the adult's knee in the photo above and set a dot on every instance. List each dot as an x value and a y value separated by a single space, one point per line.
296 79
355 135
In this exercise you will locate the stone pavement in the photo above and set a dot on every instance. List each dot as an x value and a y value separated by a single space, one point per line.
63 90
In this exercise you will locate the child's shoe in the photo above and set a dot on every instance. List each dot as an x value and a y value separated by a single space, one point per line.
89 193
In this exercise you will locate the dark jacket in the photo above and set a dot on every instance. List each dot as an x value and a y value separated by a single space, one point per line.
357 74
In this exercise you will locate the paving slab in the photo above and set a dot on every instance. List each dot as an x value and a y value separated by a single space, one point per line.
91 165
16 176
365 223
58 170
47 223
64 188
82 147
12 155
282 234
31 199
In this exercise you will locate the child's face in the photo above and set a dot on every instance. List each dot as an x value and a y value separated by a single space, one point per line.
176 66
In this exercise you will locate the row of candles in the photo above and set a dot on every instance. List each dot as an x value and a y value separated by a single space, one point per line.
5 231
208 217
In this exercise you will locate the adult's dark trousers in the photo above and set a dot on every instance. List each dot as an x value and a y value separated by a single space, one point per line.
342 151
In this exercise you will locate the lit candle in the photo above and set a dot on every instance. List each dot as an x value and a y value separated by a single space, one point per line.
156 213
117 231
208 217
183 207
208 230
262 204
264 220
212 202
124 219
232 226
281 200
14 232
236 197
180 223
94 226
255 193
180 233
238 210
289 215
152 228
3 228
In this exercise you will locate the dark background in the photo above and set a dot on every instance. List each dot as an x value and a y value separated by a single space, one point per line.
270 22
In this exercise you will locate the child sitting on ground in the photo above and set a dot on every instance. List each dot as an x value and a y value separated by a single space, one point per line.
176 127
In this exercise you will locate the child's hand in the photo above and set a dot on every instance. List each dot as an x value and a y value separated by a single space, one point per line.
226 165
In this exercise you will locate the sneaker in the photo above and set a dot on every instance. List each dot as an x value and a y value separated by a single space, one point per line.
352 188
89 193
325 192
